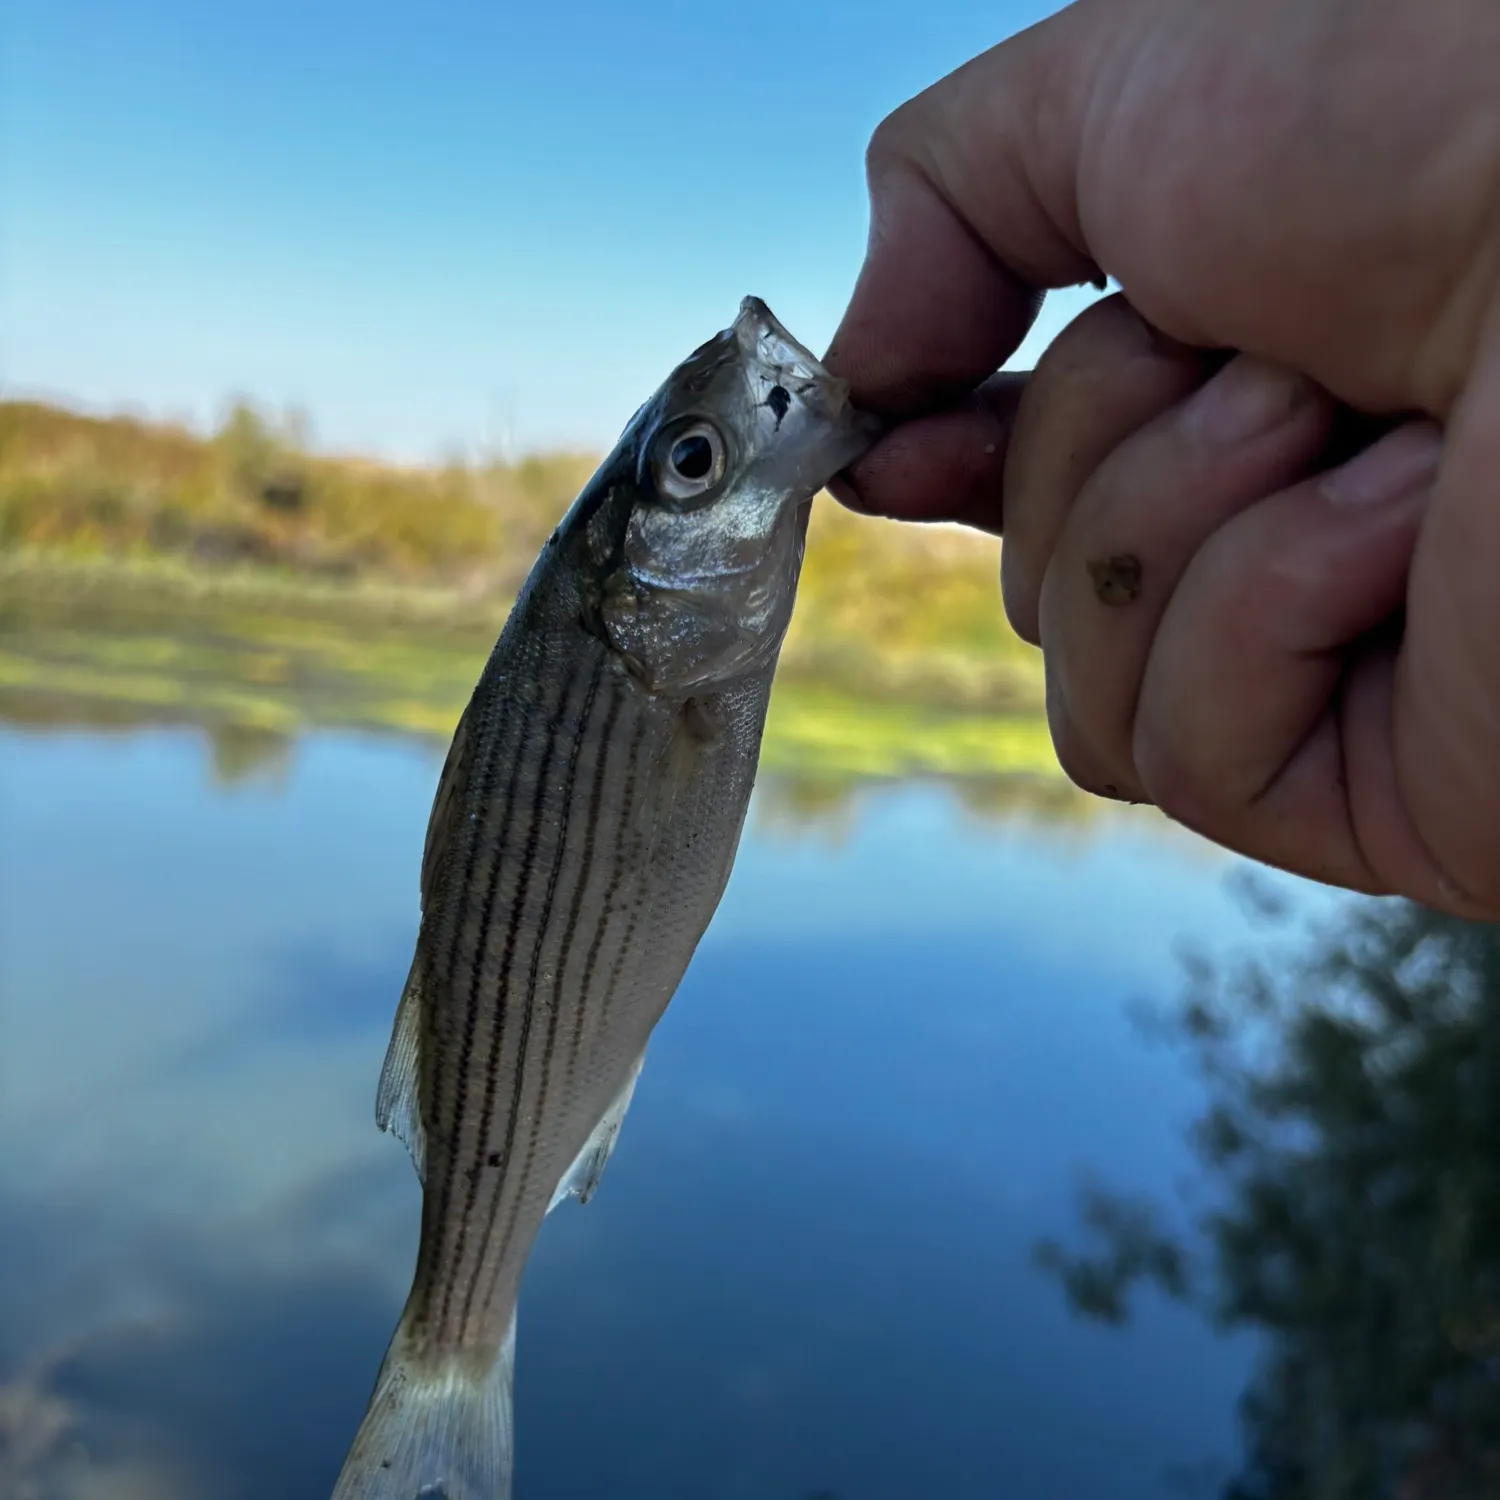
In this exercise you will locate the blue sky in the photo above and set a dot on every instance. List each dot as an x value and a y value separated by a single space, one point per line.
438 228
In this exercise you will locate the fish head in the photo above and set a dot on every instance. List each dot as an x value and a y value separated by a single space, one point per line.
722 465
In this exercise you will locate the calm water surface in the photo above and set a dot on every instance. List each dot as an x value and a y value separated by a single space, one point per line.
808 1270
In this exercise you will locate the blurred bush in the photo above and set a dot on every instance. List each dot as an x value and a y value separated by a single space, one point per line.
886 611
252 493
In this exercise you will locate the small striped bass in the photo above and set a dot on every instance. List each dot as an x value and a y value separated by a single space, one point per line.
583 830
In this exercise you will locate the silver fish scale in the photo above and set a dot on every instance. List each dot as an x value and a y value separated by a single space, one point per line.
608 840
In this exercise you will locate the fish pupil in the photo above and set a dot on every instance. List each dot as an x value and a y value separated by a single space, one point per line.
693 457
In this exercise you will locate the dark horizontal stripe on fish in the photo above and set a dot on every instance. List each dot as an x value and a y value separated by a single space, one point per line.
582 995
457 904
507 836
516 1185
565 951
624 852
627 942
611 895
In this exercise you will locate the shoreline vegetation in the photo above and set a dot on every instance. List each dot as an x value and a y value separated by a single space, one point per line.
239 583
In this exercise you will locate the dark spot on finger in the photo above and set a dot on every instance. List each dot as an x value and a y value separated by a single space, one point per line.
1117 579
493 1159
780 402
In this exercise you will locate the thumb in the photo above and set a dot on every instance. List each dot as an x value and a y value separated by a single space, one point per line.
971 217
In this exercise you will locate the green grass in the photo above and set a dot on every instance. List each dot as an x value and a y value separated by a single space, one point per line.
258 656
268 672
823 732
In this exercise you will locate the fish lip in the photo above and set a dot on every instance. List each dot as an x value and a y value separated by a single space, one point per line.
763 337
763 326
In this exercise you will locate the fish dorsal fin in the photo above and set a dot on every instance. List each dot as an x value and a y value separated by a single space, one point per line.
447 805
582 1178
398 1102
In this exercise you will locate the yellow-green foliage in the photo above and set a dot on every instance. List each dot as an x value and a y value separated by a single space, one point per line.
243 663
251 493
124 515
885 609
908 611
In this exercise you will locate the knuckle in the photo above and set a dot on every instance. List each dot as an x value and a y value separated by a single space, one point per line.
1072 756
1184 791
1079 761
890 143
1456 823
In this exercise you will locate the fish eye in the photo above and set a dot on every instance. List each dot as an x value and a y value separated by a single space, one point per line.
690 462
692 457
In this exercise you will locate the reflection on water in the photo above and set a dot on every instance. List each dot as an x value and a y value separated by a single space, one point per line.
1352 1141
809 1270
242 752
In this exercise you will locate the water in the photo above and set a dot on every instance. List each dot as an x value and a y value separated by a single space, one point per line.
808 1269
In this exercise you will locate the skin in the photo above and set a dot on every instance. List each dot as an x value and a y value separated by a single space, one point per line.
1250 505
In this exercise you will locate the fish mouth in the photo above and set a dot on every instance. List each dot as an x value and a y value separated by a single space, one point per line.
761 335
763 338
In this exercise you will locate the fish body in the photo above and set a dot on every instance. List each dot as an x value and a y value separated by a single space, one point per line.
583 830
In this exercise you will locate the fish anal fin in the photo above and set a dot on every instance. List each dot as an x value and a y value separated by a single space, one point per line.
398 1100
581 1180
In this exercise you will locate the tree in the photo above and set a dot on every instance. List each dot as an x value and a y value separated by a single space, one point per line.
1353 1147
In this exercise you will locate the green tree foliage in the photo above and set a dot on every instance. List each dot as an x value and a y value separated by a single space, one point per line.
1353 1144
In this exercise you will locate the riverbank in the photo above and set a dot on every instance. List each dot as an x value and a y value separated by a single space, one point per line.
121 603
102 644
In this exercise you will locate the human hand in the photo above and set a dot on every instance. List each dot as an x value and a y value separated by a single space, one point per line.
1316 183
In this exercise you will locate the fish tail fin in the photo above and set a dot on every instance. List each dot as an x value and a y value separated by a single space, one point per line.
435 1429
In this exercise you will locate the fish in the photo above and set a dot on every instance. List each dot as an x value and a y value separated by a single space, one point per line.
585 823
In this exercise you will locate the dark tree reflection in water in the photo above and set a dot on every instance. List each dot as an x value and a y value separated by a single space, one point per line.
1352 1209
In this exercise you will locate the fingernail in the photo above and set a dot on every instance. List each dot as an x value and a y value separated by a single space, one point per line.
1402 462
1247 397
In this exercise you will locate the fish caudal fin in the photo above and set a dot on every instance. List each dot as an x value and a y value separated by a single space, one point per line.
434 1431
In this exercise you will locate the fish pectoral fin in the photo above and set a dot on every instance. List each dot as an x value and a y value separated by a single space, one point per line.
398 1104
582 1178
435 1429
